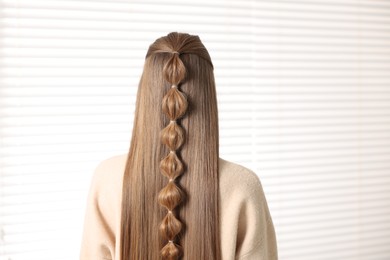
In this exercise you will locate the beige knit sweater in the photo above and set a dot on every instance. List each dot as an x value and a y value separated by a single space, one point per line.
247 230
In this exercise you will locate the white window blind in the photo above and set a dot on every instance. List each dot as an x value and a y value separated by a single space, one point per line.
304 101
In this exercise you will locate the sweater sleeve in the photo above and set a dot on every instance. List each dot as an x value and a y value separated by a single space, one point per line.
98 237
256 229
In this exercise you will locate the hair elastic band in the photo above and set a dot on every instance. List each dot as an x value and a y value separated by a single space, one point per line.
171 151
174 86
170 241
172 121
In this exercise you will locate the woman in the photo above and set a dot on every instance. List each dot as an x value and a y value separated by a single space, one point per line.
171 196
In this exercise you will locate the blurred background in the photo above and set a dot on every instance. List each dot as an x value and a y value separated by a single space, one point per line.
303 95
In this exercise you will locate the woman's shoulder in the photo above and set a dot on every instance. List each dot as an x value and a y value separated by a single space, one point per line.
235 177
114 161
229 168
108 173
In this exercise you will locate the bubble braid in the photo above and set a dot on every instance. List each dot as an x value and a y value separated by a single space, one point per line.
174 106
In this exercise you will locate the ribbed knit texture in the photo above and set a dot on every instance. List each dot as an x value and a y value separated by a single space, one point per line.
247 230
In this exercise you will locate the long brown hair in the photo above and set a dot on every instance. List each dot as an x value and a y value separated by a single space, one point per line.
170 196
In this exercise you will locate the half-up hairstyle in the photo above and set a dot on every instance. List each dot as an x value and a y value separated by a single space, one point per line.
170 195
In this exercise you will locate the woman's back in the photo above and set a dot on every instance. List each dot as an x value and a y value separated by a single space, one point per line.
247 230
165 198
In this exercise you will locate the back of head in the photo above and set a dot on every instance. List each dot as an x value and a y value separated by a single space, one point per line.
170 198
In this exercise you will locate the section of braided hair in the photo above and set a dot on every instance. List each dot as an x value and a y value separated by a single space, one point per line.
174 106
